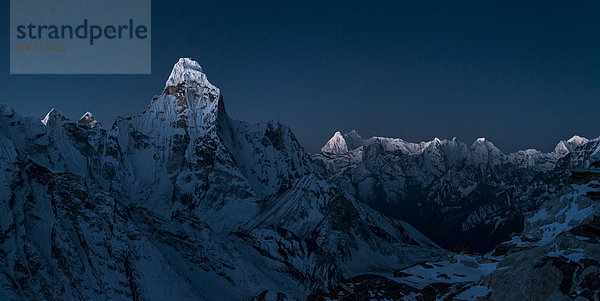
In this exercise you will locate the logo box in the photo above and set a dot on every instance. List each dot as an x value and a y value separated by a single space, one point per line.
80 37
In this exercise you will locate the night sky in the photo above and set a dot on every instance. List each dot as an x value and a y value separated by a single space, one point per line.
521 75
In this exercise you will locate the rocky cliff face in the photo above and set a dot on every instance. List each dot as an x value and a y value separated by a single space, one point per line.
475 194
180 202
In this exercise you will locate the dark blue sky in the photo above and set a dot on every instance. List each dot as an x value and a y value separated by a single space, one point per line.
522 75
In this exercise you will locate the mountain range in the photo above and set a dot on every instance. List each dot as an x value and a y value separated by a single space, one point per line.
182 202
476 195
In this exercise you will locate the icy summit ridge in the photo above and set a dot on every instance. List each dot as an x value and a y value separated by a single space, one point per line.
353 140
188 71
578 140
564 147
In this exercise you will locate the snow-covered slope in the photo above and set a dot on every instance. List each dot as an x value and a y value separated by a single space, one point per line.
180 202
476 193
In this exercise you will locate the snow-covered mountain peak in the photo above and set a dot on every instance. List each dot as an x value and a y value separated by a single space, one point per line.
578 140
480 143
55 118
187 71
484 151
483 142
564 147
188 100
88 120
336 145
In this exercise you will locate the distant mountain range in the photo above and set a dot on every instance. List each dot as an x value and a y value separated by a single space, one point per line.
454 193
181 202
